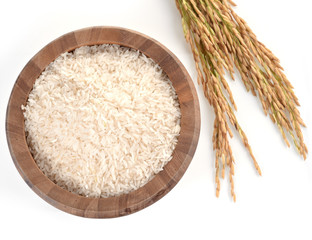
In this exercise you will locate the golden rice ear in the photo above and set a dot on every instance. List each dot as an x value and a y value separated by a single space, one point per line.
221 40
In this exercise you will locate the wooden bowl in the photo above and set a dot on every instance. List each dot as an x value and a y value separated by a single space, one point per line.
124 204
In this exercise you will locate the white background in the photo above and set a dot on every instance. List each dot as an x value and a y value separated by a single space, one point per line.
276 205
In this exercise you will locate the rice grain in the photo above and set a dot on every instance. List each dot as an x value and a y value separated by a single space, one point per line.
102 120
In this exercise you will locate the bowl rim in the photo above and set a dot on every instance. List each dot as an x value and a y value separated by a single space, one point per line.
138 199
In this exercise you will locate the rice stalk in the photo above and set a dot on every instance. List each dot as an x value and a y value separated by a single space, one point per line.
221 41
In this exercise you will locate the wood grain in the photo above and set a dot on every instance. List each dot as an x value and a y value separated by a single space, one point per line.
125 204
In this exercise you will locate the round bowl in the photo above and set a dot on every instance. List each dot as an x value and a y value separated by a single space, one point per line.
124 204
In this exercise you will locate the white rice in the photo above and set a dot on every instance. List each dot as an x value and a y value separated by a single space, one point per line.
102 121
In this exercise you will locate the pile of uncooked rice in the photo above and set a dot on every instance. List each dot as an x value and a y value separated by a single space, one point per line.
102 120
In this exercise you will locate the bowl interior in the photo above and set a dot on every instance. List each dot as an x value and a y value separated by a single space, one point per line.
124 204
